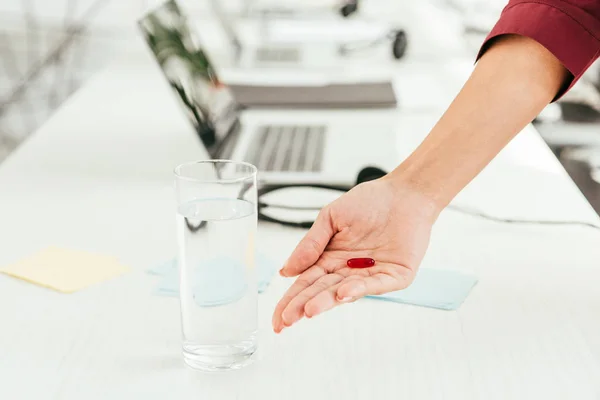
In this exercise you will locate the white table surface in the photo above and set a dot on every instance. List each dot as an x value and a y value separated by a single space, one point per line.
97 176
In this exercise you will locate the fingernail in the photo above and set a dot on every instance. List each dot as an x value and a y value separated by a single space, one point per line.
344 299
281 272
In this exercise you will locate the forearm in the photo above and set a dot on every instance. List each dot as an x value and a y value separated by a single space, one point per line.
510 85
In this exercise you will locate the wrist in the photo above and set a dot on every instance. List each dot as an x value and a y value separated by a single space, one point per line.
411 189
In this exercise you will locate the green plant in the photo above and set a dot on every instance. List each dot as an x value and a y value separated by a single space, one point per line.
168 40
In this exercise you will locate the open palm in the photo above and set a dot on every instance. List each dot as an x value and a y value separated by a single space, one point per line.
392 225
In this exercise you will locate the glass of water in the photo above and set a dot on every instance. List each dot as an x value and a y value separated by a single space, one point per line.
216 223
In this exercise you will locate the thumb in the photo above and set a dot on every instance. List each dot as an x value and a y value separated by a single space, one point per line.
310 248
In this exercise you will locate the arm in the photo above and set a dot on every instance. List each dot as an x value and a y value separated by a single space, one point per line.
569 29
511 84
535 52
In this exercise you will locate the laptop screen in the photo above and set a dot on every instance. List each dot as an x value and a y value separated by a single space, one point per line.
233 40
208 103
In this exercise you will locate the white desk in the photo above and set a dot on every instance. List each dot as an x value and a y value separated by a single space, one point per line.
97 176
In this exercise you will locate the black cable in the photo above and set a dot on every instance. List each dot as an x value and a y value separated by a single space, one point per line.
493 218
366 175
472 213
294 208
292 224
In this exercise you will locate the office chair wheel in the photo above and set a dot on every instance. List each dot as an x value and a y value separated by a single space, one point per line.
399 45
349 8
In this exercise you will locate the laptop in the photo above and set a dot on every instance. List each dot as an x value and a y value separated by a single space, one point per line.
377 94
290 55
291 146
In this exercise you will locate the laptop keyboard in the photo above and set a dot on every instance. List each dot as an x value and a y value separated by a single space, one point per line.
278 54
288 148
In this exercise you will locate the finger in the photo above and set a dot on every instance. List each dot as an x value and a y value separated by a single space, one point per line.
310 248
305 280
327 299
295 309
376 284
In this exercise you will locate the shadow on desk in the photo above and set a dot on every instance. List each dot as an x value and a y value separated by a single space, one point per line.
580 172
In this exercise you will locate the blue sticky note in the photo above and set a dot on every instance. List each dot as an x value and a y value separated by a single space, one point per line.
434 288
219 282
164 268
168 285
266 268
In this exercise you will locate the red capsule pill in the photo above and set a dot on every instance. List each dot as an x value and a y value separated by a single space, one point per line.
360 262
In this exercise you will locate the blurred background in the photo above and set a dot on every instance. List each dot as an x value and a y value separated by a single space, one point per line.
50 48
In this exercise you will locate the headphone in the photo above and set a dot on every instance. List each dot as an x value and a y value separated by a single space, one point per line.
365 175
348 8
398 38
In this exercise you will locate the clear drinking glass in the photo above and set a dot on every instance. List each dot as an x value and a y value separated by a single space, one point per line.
216 224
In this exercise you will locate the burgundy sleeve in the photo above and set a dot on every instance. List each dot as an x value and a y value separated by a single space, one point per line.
569 29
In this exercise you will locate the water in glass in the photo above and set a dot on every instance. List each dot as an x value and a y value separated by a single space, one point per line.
218 282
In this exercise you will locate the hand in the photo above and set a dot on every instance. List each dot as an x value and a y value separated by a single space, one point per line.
381 219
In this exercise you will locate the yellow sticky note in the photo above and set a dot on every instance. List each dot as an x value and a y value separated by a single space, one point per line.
65 270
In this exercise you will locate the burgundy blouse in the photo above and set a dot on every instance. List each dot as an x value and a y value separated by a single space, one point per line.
570 29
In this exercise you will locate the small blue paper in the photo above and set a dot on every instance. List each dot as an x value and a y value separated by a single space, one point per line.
434 288
266 268
164 268
209 289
